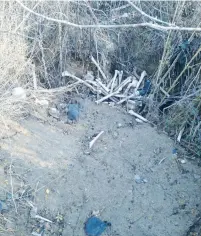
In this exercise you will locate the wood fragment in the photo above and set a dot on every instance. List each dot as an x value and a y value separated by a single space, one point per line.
123 84
180 135
106 97
102 85
113 81
120 76
131 112
95 139
66 73
100 70
140 80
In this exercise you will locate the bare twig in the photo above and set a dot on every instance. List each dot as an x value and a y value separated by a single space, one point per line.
66 73
131 112
95 139
100 70
151 25
148 16
106 97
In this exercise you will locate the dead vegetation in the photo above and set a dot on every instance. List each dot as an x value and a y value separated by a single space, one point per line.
40 41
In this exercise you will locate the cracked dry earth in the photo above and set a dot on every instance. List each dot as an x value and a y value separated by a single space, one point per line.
53 168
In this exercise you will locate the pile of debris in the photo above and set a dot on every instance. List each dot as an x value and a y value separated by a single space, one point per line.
116 90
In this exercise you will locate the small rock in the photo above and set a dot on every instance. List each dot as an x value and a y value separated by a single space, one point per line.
119 125
96 213
19 93
182 161
140 180
54 112
145 181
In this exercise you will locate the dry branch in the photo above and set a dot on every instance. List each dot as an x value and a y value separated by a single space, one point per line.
100 70
151 25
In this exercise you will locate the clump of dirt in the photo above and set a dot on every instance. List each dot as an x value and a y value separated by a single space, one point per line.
132 177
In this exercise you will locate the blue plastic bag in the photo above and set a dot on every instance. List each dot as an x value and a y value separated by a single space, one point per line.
95 227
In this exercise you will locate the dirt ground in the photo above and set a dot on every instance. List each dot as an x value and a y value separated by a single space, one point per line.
49 164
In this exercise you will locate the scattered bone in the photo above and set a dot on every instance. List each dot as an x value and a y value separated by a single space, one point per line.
95 139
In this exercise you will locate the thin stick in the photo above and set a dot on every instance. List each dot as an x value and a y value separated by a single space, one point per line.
131 112
42 218
66 73
162 160
95 139
151 25
11 184
123 84
113 80
126 98
106 97
34 77
141 79
100 70
102 85
180 135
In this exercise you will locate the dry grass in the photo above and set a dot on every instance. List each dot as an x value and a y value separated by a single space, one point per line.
56 47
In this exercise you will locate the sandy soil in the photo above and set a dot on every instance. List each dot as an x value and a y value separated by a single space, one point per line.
50 165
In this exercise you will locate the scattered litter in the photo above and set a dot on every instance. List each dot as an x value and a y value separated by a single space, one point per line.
96 213
54 112
146 88
174 151
73 111
140 180
95 227
19 93
182 161
47 191
33 213
95 139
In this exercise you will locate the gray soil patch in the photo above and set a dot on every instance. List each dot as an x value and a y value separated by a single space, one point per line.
122 178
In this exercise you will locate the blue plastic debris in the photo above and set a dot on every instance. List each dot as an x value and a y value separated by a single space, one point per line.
146 89
174 151
95 227
73 111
